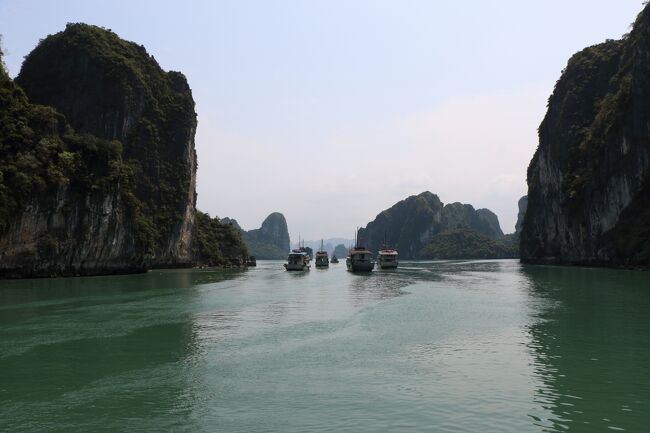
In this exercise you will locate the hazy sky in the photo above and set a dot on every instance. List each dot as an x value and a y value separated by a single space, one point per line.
331 111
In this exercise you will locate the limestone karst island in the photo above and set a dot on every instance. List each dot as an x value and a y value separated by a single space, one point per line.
298 217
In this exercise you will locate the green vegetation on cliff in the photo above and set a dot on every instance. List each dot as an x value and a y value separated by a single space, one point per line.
39 153
465 244
216 243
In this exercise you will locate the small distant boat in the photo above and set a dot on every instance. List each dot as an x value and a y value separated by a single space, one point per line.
387 258
359 259
251 261
322 258
334 259
297 261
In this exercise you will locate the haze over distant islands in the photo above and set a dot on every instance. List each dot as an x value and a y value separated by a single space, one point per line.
367 103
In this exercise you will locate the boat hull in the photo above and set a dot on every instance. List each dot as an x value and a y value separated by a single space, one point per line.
387 265
322 262
359 266
296 267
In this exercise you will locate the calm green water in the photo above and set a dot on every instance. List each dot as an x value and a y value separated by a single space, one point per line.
442 347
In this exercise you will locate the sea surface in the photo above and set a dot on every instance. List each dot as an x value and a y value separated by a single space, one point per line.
480 346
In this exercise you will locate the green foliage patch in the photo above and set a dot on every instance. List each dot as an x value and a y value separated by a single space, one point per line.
466 244
39 153
216 243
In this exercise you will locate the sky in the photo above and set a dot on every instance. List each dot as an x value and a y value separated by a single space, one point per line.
332 111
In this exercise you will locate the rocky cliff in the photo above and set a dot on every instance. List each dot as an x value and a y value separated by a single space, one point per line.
97 159
588 182
270 241
412 223
340 251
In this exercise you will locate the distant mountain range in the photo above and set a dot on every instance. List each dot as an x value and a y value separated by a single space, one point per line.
328 244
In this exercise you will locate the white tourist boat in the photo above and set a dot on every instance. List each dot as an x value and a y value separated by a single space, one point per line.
387 258
297 261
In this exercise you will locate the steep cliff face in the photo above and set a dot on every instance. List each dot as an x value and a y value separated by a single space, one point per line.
522 205
588 181
411 224
274 231
116 193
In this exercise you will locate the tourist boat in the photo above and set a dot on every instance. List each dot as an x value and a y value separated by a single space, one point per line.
387 258
359 259
334 259
297 261
322 258
251 261
301 249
